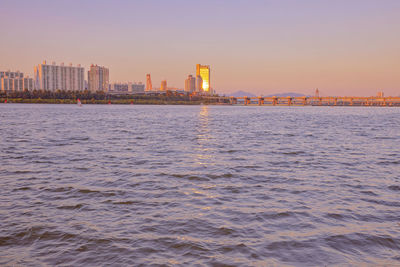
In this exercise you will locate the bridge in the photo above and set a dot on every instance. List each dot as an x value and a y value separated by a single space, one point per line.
310 101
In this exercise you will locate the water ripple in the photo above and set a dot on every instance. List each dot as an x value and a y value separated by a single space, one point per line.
199 185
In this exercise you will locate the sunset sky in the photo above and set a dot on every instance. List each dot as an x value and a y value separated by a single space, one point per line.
343 47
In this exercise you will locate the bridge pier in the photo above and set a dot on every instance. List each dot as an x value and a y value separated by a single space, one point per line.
246 100
304 100
289 101
274 100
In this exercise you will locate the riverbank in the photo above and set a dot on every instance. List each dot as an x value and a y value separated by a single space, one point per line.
87 97
112 101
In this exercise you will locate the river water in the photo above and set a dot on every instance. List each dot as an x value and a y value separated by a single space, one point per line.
102 185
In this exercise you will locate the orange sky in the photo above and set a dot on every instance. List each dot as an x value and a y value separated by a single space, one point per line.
263 47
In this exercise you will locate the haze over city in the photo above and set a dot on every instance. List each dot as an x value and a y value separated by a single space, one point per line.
262 47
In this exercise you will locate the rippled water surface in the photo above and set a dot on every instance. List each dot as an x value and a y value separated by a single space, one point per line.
199 185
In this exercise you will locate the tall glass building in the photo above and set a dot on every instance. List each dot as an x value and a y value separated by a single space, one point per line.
204 72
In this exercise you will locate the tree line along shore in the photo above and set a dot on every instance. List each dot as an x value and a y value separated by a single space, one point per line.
100 97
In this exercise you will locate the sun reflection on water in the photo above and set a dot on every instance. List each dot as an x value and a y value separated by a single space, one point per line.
203 148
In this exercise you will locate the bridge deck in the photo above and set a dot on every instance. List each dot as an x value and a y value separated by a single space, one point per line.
311 101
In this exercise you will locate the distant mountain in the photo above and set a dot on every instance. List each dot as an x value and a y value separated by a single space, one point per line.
286 95
241 94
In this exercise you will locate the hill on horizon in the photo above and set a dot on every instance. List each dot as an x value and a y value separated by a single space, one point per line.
292 94
241 94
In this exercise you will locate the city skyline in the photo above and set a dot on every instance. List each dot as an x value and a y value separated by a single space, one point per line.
263 47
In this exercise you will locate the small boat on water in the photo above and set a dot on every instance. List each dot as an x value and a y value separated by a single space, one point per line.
78 102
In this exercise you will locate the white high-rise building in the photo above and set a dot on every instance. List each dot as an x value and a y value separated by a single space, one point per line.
98 78
54 77
15 81
199 84
28 83
190 84
11 74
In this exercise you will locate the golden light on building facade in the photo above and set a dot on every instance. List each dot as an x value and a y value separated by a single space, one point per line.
204 72
163 85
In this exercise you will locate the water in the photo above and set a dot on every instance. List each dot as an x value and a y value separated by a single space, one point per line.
199 185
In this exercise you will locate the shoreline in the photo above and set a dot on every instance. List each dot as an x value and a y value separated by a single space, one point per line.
162 103
107 102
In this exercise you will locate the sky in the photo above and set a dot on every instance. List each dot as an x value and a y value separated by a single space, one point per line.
342 47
